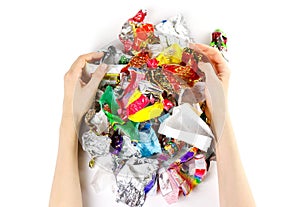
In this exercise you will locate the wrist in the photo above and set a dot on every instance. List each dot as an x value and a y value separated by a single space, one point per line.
70 118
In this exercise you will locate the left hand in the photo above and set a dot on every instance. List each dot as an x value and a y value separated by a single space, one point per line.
79 96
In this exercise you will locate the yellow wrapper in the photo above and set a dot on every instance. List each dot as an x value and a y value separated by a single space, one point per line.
147 113
171 55
134 97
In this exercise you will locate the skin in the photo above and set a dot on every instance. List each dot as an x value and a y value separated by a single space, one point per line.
66 189
234 190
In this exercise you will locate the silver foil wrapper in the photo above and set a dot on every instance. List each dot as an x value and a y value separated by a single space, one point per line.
132 179
97 122
128 149
173 30
96 146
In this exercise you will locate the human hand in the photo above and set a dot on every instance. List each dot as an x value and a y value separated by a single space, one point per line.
217 79
78 95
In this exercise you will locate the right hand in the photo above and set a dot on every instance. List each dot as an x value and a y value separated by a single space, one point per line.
217 79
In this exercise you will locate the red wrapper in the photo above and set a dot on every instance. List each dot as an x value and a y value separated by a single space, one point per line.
137 61
139 17
122 101
152 63
186 73
138 104
167 104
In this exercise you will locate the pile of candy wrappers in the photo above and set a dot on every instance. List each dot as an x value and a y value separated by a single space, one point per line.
147 126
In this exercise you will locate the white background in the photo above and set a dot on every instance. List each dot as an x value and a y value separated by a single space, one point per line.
39 40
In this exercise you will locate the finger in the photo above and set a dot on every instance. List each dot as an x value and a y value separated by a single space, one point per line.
213 54
209 70
97 77
79 64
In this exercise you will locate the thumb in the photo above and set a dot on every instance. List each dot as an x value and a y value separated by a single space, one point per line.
97 77
209 71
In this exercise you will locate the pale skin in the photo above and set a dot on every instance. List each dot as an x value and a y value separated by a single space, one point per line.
234 190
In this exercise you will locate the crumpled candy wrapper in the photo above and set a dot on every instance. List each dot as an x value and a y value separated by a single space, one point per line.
173 30
97 122
195 133
219 41
133 178
128 150
96 146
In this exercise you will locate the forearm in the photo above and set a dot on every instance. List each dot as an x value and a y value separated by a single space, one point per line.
66 189
233 185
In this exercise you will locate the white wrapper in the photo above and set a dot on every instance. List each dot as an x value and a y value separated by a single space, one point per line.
187 126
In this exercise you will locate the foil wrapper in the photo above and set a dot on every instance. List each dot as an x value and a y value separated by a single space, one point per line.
128 149
158 78
132 179
219 41
97 121
96 146
173 30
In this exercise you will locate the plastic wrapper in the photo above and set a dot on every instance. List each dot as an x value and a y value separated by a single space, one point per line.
196 133
170 55
128 88
148 143
169 189
219 41
188 171
103 178
193 95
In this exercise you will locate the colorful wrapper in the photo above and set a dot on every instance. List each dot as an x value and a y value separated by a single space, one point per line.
219 41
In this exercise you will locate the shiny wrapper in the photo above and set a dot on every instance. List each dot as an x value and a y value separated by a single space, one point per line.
95 145
169 189
186 73
97 122
132 179
136 35
128 149
158 78
196 132
173 30
128 89
219 41
138 61
170 55
148 144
